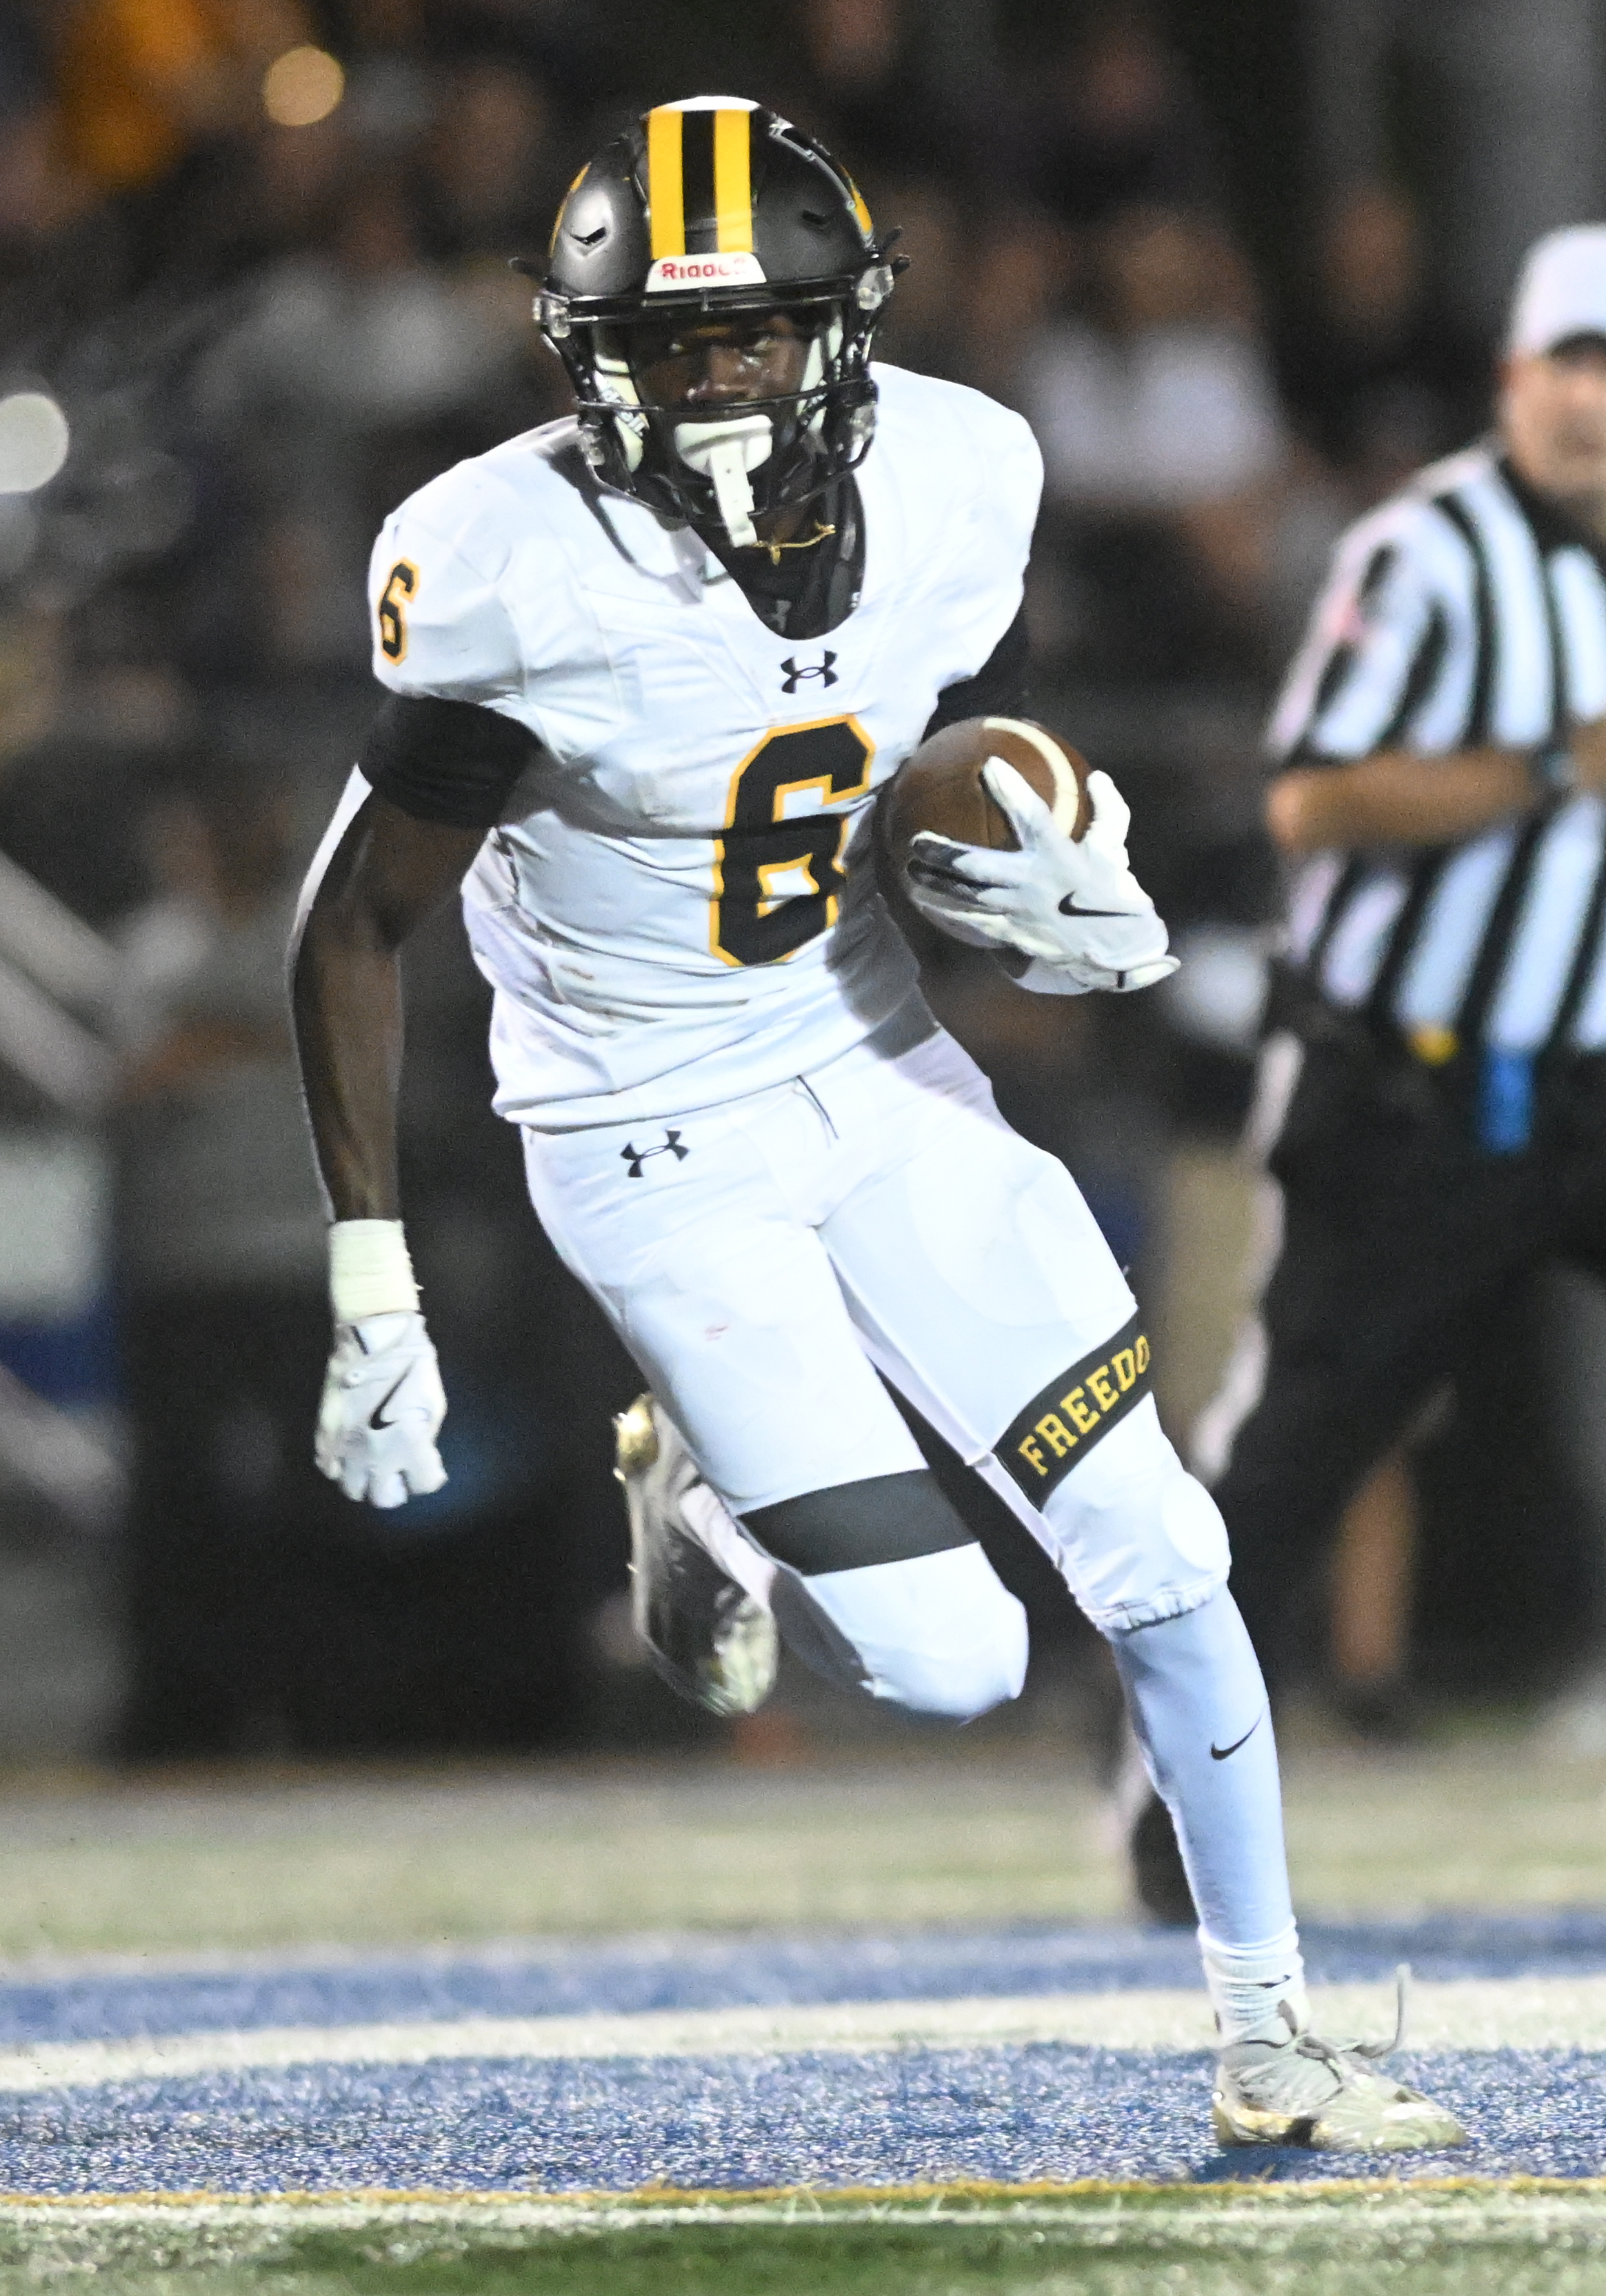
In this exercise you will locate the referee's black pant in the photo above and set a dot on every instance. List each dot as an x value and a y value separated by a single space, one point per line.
1400 1236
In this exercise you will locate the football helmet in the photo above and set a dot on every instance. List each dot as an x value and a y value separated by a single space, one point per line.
708 209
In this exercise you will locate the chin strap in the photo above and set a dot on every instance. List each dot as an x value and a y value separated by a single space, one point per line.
723 452
733 495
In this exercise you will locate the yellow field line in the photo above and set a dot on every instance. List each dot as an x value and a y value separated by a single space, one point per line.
1279 2196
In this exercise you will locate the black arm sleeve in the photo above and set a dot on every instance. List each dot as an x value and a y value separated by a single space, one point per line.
997 690
449 761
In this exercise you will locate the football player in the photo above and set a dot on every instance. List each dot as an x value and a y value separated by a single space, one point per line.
647 669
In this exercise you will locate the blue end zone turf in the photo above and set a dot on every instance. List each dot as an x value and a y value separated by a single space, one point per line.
827 2117
522 1981
1042 2112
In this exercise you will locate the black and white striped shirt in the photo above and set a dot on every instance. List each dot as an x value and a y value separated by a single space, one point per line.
1466 610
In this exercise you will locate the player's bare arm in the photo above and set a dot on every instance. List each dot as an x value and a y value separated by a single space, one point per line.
383 1403
389 874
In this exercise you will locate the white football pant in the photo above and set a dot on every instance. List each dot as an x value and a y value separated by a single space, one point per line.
763 1259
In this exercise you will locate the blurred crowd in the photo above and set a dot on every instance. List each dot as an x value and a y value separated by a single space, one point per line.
256 252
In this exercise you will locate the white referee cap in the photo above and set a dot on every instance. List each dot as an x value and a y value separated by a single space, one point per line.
1561 290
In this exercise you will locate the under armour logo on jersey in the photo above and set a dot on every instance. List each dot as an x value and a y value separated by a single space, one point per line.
669 1146
797 672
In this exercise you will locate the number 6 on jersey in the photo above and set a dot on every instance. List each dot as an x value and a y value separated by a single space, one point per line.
778 878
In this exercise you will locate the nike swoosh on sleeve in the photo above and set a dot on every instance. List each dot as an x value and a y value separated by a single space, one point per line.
1220 1753
1068 909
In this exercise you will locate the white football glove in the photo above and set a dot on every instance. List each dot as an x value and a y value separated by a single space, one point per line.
1075 906
382 1407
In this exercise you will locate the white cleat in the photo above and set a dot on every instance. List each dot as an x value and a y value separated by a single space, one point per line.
1328 2096
708 1632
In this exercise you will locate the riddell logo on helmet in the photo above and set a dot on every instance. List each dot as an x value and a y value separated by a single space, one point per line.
676 271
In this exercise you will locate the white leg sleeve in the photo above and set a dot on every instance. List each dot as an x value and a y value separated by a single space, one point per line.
1199 1707
940 1634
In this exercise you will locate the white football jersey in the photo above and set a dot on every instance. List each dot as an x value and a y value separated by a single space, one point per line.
686 908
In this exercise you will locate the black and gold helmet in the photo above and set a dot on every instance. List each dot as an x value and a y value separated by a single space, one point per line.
714 207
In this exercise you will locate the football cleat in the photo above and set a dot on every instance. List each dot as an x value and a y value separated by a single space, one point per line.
1299 2089
708 1634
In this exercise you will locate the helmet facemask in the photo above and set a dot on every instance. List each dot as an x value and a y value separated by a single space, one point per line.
727 461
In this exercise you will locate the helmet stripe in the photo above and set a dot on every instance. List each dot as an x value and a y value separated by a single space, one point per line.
552 244
734 181
859 208
697 181
665 201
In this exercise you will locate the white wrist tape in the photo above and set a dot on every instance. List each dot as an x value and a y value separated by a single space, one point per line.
370 1270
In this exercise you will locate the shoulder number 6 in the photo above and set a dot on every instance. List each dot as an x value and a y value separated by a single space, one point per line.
400 586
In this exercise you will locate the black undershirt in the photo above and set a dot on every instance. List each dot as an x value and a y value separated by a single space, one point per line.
458 763
806 592
997 690
454 762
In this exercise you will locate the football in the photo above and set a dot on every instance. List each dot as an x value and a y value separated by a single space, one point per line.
940 786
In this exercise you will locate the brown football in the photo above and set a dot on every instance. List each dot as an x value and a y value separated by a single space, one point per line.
940 787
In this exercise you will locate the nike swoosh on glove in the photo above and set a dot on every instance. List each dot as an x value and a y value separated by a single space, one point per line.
382 1407
1074 905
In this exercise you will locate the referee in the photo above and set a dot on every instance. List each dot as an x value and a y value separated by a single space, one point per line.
1441 1055
1433 1093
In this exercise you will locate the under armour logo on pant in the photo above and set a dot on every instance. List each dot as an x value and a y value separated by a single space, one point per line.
669 1146
795 673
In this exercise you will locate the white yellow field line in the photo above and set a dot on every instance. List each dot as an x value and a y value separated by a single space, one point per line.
1473 2013
1443 2204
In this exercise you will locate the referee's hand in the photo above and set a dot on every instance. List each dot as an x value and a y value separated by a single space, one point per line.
1587 743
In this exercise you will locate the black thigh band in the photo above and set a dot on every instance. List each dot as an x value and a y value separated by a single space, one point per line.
1058 1427
882 1519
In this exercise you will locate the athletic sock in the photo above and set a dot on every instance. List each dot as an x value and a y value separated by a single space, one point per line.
1257 1992
1198 1708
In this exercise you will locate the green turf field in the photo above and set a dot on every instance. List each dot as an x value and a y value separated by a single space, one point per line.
1227 2242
